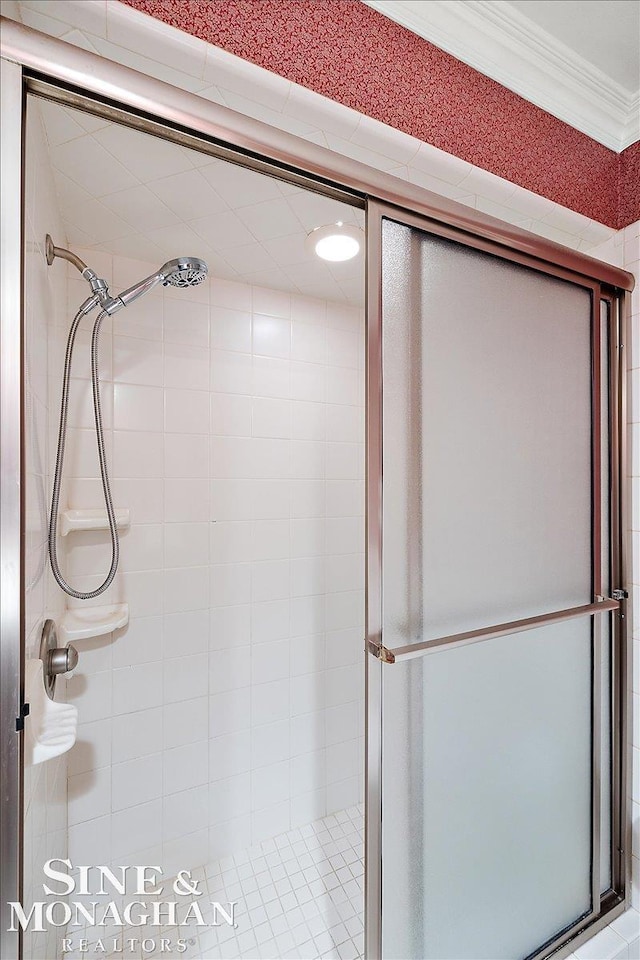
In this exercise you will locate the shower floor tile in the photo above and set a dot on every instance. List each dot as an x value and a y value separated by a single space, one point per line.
300 895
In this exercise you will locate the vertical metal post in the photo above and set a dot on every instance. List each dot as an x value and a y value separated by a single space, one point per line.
596 631
11 494
373 741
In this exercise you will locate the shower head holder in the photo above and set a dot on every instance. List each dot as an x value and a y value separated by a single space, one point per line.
99 287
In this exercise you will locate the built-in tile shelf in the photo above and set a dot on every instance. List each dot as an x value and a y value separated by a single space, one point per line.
82 624
71 520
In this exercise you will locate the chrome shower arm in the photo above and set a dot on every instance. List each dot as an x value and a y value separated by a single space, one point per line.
99 287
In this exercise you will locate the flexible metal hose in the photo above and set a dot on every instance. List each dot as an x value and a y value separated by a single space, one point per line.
62 436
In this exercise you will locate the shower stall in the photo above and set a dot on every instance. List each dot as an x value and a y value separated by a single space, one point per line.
337 543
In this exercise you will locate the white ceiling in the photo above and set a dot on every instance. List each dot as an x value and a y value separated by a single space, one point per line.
577 59
605 32
135 195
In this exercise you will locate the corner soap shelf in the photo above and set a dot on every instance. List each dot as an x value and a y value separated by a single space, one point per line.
90 520
81 624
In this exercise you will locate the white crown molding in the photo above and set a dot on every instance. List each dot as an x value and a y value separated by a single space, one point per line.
495 39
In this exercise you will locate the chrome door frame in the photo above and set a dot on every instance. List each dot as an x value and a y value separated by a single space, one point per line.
52 68
607 907
11 554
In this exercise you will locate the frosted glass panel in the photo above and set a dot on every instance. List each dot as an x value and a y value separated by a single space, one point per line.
487 439
487 796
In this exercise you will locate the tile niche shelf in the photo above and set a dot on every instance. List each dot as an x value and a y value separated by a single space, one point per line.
86 622
71 520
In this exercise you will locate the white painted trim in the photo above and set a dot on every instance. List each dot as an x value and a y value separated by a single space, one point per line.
492 37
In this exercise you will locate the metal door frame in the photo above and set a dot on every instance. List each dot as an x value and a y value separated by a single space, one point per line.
604 908
49 67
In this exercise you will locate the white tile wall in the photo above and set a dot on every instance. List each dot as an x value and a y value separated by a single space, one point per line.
45 785
236 426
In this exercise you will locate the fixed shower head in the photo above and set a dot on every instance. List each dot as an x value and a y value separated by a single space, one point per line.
184 272
181 272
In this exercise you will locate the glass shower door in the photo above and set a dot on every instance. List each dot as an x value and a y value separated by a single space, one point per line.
486 606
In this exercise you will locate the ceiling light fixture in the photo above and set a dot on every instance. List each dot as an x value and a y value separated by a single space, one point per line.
335 241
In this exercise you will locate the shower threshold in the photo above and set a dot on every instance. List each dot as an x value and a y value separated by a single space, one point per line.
298 896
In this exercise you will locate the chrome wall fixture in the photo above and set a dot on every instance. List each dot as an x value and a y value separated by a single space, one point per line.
47 67
181 272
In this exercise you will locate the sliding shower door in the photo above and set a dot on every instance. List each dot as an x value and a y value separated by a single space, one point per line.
489 610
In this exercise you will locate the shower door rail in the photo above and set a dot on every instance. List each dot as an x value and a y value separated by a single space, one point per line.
411 650
607 575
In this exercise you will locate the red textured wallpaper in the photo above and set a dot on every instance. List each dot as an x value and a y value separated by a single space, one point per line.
352 54
629 185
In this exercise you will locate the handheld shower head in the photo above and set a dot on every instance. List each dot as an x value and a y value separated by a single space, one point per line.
184 272
181 272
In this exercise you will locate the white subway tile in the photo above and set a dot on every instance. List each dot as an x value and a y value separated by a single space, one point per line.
183 814
92 748
184 721
308 615
308 576
270 785
308 772
139 642
308 693
270 580
229 755
270 539
89 840
270 821
271 418
231 372
308 381
229 712
229 669
137 454
271 377
185 678
270 702
270 621
186 411
89 795
275 303
137 734
271 336
186 500
229 798
307 655
269 661
231 329
231 541
186 766
137 361
186 321
230 584
186 544
230 414
270 743
186 455
135 828
138 687
136 781
137 407
92 700
185 367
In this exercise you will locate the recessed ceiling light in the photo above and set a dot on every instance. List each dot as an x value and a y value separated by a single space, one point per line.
335 241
